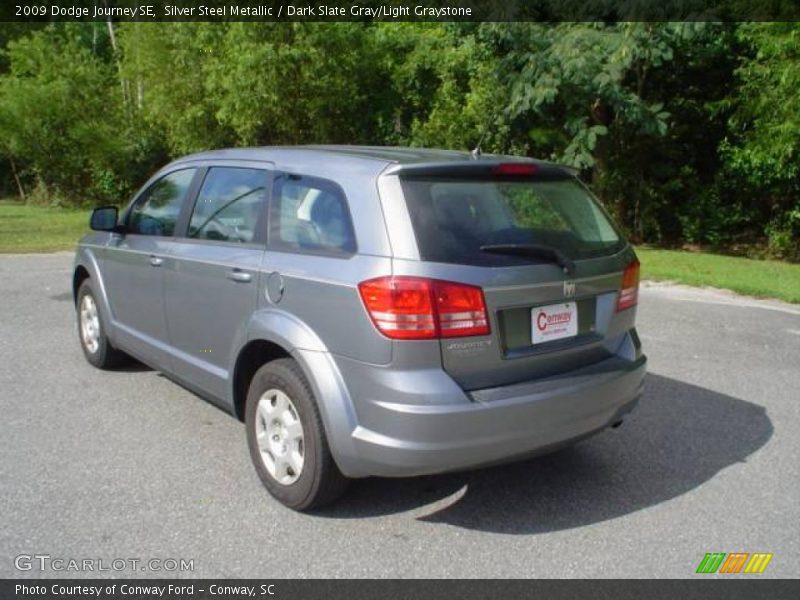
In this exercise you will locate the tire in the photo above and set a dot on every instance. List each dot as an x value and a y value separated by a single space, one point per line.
279 399
92 331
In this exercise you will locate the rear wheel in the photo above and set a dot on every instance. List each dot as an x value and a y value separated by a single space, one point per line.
95 344
287 440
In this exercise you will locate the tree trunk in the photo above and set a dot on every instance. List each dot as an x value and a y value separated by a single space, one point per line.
16 178
113 39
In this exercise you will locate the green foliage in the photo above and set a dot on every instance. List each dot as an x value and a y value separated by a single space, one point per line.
164 70
248 84
708 219
688 132
448 92
762 151
594 76
765 129
57 112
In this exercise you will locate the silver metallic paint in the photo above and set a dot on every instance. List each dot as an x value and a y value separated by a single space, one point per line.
389 408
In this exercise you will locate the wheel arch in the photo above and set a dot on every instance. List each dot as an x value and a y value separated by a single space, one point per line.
80 275
87 266
269 334
255 354
273 334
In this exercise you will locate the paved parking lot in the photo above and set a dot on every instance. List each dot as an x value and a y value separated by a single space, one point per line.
129 465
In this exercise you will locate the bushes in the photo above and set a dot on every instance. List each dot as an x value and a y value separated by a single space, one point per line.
58 117
689 133
783 234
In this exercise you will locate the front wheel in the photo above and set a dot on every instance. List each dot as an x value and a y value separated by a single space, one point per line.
287 440
94 342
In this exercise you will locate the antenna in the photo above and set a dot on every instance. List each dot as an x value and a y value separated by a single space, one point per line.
475 153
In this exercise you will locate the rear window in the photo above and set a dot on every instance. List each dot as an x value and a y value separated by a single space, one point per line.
454 218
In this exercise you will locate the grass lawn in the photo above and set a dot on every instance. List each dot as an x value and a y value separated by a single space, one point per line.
765 278
37 229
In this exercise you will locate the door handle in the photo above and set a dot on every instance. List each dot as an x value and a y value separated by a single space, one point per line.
155 261
239 276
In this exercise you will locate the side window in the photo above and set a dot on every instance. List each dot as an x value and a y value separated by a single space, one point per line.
157 209
229 204
310 215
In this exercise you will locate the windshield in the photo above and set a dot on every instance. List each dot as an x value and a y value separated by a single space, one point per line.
454 218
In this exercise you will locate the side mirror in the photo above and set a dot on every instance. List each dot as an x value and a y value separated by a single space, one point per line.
104 218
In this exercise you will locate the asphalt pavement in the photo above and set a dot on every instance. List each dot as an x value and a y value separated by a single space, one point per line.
128 465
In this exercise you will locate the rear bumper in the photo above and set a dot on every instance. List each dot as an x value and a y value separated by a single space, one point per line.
396 439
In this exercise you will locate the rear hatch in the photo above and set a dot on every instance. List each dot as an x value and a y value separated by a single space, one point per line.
547 256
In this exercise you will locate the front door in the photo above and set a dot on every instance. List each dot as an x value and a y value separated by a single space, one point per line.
135 263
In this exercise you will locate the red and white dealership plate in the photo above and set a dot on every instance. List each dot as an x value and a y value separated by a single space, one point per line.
554 322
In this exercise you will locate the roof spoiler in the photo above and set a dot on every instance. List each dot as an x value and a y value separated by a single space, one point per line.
482 169
574 171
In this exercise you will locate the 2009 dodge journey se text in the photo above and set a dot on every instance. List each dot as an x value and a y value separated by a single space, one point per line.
371 311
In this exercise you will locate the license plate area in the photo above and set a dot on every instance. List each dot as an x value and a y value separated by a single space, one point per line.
515 327
554 322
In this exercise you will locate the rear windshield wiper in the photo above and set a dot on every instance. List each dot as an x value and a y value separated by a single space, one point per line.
534 250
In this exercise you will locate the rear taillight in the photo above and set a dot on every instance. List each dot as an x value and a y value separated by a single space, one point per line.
400 307
460 309
415 308
629 294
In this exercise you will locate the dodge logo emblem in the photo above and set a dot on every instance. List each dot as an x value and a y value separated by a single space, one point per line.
569 288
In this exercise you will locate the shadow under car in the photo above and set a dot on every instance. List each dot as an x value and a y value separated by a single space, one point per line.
680 436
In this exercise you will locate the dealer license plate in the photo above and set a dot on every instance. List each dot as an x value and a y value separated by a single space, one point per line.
554 322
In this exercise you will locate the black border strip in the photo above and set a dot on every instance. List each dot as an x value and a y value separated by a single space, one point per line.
742 587
399 10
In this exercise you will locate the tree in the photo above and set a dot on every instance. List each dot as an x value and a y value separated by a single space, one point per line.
763 150
58 118
298 83
688 132
167 65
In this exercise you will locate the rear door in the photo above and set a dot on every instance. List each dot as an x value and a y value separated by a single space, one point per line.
135 262
547 257
211 286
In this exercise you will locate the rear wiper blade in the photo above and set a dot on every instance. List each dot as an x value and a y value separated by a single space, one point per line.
534 250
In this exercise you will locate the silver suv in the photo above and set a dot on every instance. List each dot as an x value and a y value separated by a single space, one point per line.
371 311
